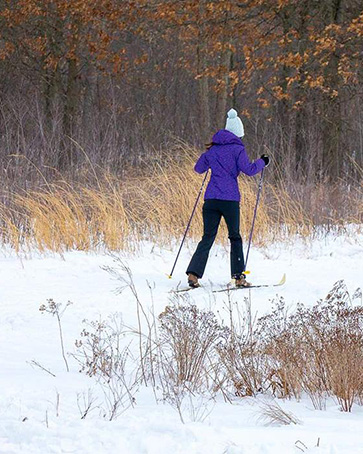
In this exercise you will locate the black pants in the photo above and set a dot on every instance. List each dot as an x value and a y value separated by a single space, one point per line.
213 210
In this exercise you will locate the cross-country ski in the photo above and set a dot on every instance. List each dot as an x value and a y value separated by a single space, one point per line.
233 287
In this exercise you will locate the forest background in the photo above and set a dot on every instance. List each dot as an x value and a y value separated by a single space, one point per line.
121 88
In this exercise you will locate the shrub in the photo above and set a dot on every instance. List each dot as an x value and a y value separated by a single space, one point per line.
240 352
188 337
319 349
101 353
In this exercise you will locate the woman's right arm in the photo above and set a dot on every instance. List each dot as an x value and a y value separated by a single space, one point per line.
202 165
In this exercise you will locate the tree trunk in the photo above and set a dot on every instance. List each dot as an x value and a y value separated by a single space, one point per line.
203 78
223 92
333 153
66 157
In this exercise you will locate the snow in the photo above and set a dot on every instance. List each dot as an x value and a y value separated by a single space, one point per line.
39 413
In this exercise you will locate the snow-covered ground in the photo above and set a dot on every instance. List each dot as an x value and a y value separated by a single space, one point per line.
39 412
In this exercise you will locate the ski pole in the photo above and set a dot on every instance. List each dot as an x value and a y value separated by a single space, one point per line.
189 222
254 216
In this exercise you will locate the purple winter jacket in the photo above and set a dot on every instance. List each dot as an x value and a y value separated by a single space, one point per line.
226 158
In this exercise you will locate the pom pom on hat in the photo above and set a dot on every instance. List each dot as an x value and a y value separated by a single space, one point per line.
234 123
232 113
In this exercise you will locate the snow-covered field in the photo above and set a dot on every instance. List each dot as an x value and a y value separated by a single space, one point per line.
41 413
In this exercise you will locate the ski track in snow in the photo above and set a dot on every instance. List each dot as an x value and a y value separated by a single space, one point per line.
31 421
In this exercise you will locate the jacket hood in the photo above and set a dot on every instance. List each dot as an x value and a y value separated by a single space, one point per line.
224 137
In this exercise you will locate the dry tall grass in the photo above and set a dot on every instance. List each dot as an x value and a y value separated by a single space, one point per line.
156 206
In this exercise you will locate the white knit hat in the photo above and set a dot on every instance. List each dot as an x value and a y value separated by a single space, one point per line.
234 123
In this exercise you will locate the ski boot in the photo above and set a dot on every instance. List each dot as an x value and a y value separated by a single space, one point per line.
193 281
240 281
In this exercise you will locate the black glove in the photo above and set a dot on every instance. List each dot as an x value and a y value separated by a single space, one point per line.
266 159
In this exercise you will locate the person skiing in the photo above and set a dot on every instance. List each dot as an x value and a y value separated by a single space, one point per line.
226 157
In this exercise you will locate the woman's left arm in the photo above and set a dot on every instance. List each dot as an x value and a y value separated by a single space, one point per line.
246 166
